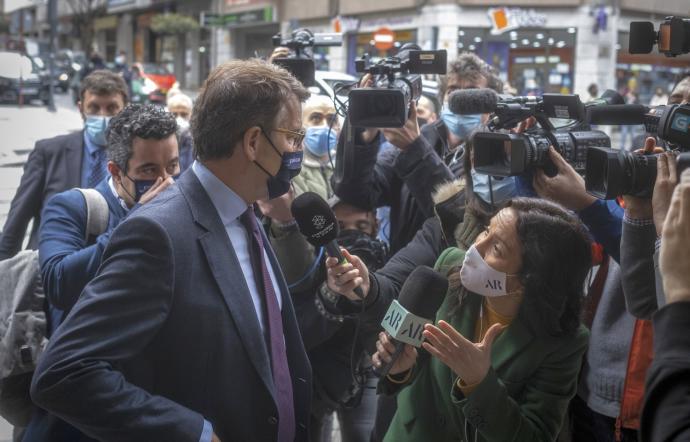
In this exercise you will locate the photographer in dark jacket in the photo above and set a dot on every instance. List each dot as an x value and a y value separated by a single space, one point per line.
328 321
405 177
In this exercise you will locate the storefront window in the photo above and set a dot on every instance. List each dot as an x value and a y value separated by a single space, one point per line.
530 61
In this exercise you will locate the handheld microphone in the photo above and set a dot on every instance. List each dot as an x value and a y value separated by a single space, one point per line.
317 222
625 114
473 101
420 297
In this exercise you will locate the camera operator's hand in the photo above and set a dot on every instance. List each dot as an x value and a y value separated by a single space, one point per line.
159 186
524 125
343 278
279 52
566 188
278 209
384 352
404 136
666 181
674 258
371 132
641 208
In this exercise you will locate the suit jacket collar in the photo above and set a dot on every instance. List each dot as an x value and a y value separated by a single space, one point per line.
113 203
75 153
226 270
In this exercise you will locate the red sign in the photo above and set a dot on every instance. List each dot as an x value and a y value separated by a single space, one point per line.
384 39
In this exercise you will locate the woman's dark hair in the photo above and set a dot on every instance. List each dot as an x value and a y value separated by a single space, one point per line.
556 257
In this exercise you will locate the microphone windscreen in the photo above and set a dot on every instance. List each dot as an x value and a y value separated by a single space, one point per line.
625 114
642 37
423 292
315 219
473 101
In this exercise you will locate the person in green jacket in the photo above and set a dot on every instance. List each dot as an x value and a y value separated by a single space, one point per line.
322 129
501 361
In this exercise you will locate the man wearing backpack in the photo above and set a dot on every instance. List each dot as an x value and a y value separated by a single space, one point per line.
66 161
143 158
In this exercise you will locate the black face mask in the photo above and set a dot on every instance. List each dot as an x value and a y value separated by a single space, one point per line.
422 122
373 252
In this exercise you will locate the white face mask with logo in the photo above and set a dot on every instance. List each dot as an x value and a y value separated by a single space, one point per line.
479 277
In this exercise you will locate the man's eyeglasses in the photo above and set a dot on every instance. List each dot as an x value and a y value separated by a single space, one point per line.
294 136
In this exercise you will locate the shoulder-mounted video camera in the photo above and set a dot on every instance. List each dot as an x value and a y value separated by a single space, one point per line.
507 154
612 172
397 82
300 62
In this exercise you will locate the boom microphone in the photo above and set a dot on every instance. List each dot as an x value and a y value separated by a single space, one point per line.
420 297
317 222
625 114
473 101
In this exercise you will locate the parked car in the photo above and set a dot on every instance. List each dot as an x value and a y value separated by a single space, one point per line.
19 75
160 75
63 71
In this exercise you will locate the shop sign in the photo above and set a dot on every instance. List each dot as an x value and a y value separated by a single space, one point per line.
235 19
241 2
108 22
344 24
388 22
508 19
116 3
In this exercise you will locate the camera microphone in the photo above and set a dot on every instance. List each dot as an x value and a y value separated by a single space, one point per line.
473 101
317 222
625 114
420 297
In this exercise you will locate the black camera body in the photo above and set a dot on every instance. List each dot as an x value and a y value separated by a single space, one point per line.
508 154
611 173
397 82
673 37
300 62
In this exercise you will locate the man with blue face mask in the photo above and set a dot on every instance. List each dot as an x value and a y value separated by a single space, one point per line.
189 324
143 152
322 130
416 160
66 161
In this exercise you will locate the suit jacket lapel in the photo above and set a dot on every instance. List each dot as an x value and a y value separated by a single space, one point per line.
226 270
73 159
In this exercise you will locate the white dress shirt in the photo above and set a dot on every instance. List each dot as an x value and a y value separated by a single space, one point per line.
229 207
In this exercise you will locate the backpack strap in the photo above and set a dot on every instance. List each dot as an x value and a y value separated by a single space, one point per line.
97 212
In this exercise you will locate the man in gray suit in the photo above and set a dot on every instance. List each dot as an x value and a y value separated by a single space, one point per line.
188 332
66 161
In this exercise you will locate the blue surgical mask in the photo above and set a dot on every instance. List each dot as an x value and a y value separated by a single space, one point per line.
461 125
95 126
319 140
502 188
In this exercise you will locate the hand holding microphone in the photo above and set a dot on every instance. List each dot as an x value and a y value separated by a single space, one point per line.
317 222
345 278
420 297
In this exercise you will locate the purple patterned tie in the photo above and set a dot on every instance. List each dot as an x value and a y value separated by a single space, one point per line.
279 362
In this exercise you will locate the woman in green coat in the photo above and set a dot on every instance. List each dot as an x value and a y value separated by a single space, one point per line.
502 361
